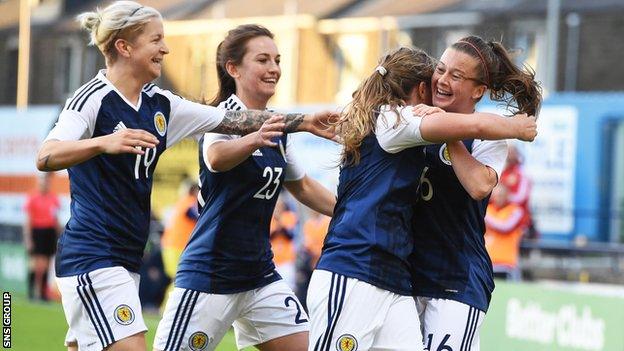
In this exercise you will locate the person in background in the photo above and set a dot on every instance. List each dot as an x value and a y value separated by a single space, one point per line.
40 233
519 189
504 227
283 227
179 229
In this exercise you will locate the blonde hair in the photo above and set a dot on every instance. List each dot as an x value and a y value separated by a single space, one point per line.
120 20
390 84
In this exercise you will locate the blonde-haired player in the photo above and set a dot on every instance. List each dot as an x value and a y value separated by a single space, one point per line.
110 136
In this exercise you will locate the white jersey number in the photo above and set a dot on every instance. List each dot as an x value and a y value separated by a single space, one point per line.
425 194
273 177
148 158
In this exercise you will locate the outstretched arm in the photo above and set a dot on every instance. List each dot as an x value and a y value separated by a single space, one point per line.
248 121
445 126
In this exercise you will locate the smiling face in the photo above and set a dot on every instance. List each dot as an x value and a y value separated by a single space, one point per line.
148 49
454 84
258 73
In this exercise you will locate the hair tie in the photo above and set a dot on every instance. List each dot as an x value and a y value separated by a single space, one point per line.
487 74
131 14
382 70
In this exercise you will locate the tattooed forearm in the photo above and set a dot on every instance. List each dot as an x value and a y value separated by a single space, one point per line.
248 121
293 121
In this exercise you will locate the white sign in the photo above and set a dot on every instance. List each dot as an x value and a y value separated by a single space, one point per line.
550 163
21 137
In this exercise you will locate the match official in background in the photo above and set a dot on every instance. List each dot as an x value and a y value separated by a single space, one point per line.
41 230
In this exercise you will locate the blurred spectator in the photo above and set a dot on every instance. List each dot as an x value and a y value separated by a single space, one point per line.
519 186
179 229
314 231
283 226
504 229
40 232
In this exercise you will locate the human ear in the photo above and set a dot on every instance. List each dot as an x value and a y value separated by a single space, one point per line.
122 47
231 69
478 92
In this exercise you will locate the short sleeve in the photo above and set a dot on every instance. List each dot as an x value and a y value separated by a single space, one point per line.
209 139
73 125
491 153
189 118
394 138
294 171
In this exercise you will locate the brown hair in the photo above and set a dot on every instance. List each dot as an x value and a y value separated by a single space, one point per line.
403 69
515 86
233 48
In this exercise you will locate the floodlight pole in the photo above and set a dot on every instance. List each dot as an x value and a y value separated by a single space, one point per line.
23 60
552 32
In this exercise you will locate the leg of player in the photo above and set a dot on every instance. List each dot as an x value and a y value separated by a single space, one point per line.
132 343
449 325
294 342
72 346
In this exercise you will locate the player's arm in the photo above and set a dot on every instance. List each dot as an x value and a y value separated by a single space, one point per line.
247 121
227 154
312 194
477 179
57 154
445 126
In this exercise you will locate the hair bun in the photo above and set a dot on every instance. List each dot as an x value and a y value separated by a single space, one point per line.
90 21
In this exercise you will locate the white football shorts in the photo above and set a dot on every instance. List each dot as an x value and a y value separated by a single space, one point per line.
448 324
101 307
348 315
195 320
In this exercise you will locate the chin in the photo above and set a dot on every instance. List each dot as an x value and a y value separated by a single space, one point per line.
441 104
154 74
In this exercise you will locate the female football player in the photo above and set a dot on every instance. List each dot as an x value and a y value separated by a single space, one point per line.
452 272
226 274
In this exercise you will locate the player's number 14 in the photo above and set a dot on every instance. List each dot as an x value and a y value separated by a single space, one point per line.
145 160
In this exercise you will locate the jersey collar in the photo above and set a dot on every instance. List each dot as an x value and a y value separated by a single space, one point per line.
233 103
102 76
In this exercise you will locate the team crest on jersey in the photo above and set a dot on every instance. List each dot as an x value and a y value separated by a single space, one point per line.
346 342
445 156
198 341
124 315
160 123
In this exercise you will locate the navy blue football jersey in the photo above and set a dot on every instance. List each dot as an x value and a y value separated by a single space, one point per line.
449 259
229 250
370 236
110 194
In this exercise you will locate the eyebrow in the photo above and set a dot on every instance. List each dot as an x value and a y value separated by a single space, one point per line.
269 55
453 70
